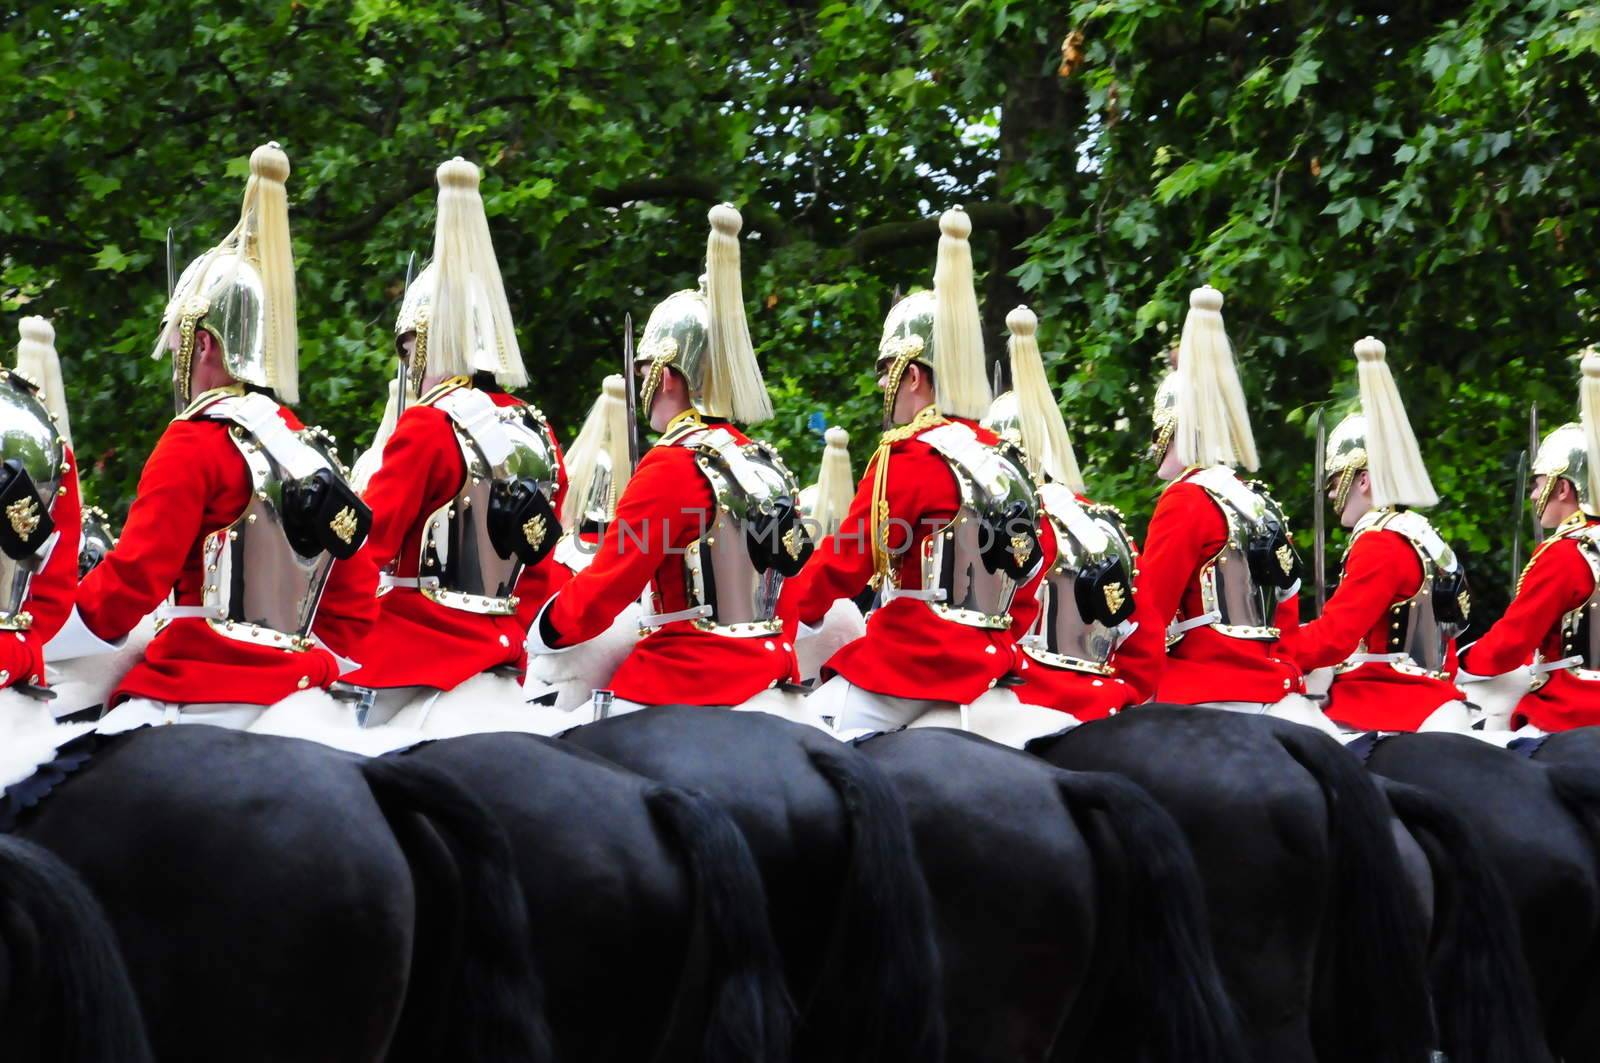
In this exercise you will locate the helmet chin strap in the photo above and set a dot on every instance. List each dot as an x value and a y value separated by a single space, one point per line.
891 386
1545 495
1347 481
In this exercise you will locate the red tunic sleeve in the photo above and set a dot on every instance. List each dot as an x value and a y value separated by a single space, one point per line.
1558 581
1186 529
1140 656
422 466
665 506
1381 569
187 468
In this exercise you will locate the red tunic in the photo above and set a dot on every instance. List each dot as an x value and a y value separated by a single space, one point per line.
196 483
1558 581
667 505
1135 663
909 651
416 641
51 590
1381 571
1187 530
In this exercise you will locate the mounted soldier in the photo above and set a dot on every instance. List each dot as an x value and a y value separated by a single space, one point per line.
1219 570
465 496
39 524
243 517
707 529
1389 631
1088 648
1551 623
944 525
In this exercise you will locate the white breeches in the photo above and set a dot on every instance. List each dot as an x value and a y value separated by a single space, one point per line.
850 708
789 705
139 712
997 714
1296 707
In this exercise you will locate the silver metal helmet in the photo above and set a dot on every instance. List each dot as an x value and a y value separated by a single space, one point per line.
1004 418
1564 455
222 293
416 311
677 336
1344 457
241 292
907 338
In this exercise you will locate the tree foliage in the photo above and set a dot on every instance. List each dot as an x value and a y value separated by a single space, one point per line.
1424 172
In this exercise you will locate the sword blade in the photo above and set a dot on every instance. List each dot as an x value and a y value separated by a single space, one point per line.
400 370
628 390
999 380
1319 519
1516 521
172 266
1533 448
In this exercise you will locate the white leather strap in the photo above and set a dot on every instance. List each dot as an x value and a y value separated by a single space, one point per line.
479 418
1377 658
1183 627
1555 666
656 620
386 580
259 416
188 612
934 594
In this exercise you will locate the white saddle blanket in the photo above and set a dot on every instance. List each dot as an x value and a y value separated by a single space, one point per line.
29 736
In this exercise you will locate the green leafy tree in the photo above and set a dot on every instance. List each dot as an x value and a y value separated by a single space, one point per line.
1424 173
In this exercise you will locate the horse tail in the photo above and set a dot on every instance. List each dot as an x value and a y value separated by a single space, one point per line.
473 950
748 1018
1482 990
1374 931
67 995
880 991
1167 999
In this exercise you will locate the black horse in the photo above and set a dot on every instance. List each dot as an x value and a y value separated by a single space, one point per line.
1316 924
275 899
1573 760
1070 916
641 897
848 904
64 991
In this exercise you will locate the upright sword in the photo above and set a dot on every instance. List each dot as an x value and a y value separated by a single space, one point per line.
1319 520
1533 449
400 370
1516 520
627 383
172 264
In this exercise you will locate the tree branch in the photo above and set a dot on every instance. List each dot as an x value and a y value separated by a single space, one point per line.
891 236
694 190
